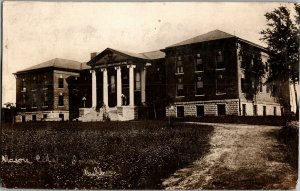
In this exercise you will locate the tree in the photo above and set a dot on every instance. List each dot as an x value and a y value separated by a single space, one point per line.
281 36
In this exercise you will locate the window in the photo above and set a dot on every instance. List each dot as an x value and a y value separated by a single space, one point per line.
243 85
23 85
61 116
264 110
33 117
179 65
112 84
220 84
255 110
45 116
23 100
46 81
268 88
45 100
244 109
61 100
275 111
199 63
200 110
23 118
60 82
180 111
220 60
179 88
34 100
260 87
274 90
138 81
221 109
199 86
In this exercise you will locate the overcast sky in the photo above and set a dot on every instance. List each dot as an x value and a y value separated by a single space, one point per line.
34 32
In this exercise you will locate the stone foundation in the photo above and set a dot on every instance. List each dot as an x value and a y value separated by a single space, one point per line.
51 116
231 108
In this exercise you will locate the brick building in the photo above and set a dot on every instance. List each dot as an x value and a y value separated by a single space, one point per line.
43 90
212 74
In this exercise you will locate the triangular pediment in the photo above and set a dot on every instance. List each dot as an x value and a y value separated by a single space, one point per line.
114 56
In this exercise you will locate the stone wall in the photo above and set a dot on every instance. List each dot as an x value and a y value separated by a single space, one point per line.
210 107
51 116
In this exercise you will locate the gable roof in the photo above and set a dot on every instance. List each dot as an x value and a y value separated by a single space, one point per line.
58 63
212 35
145 55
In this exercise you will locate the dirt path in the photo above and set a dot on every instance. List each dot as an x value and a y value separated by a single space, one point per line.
241 157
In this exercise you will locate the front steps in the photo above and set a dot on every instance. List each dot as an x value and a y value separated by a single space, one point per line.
121 113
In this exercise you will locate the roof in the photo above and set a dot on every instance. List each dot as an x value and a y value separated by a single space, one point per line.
58 63
154 54
210 36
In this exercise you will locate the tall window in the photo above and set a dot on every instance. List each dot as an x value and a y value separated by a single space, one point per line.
199 63
112 84
260 86
199 86
34 83
23 100
255 110
46 82
60 82
137 81
220 84
179 65
243 85
34 100
61 99
179 88
23 85
45 100
220 60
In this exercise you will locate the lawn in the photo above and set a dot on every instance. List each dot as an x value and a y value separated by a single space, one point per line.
110 155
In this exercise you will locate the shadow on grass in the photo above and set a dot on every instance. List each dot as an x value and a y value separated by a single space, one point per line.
136 154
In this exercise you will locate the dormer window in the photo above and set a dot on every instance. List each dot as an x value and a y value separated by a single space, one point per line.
179 65
199 63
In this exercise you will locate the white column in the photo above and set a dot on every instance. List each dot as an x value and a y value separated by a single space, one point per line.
143 81
131 84
94 88
119 86
105 87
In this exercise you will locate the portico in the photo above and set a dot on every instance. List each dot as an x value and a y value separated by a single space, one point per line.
123 83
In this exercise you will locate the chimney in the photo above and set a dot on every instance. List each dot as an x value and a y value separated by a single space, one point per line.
94 54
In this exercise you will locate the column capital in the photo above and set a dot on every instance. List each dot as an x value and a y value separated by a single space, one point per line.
103 69
117 67
131 66
92 70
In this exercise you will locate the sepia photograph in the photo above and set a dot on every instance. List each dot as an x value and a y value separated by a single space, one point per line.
150 95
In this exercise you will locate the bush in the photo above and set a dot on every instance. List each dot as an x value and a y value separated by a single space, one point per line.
289 134
114 155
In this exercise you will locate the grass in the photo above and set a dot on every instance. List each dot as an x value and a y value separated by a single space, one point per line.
111 155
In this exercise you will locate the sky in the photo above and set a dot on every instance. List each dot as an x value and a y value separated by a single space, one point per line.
34 32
